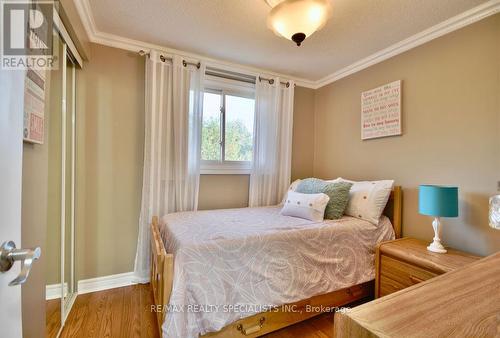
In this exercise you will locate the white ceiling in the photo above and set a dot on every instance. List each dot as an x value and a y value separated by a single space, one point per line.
236 31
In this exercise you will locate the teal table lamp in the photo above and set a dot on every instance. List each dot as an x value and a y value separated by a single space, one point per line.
437 201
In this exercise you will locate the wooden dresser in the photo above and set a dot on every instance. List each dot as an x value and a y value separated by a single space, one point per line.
461 303
404 262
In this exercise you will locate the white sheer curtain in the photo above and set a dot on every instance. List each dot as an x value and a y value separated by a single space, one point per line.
173 116
271 168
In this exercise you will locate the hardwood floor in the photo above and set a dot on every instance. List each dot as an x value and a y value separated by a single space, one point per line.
126 312
52 317
121 312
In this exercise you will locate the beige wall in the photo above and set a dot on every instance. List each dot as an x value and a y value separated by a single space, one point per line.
303 133
110 133
223 191
451 130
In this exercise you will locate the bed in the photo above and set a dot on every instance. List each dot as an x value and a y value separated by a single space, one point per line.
248 272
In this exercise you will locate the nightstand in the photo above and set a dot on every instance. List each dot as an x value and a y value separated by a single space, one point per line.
406 261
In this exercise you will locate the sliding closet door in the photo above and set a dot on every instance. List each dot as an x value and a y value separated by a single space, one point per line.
69 180
53 257
61 285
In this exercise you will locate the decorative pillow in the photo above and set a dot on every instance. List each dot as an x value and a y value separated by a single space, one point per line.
292 187
368 199
307 206
337 191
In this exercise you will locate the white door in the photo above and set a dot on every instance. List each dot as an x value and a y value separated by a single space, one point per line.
11 147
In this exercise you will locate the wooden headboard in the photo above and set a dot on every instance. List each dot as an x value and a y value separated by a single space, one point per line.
394 209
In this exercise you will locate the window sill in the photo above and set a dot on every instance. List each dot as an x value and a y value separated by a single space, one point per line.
226 168
225 171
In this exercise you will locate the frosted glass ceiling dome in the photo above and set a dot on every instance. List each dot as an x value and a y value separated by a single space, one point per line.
298 19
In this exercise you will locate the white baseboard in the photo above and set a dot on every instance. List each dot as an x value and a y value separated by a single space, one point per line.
106 282
53 291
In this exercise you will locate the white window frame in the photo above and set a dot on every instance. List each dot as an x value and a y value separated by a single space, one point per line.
226 87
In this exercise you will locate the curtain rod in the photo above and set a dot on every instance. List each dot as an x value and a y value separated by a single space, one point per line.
225 74
246 79
271 81
164 59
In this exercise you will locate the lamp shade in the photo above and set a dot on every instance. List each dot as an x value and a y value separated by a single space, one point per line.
438 201
298 19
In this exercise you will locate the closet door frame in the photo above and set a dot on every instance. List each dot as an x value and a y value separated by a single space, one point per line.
73 185
68 298
70 53
64 289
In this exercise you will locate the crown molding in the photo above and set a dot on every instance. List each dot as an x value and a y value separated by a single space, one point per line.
85 13
459 21
464 19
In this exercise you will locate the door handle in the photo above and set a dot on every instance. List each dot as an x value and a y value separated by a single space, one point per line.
9 254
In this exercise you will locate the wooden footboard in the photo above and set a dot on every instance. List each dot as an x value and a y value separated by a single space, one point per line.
162 272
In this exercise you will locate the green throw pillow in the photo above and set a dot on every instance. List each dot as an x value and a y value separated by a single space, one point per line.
337 191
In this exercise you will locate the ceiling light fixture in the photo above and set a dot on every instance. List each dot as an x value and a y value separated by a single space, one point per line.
298 19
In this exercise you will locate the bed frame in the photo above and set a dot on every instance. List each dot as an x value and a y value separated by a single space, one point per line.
162 268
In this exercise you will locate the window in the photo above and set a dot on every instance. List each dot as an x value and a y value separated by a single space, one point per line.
227 131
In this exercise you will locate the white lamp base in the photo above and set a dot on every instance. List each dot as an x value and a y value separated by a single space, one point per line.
436 245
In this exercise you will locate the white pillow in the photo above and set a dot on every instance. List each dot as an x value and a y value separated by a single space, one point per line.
367 199
307 206
292 187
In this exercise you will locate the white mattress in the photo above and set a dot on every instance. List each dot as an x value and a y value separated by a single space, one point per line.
253 258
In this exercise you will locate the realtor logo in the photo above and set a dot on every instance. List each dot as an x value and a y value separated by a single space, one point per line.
27 34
